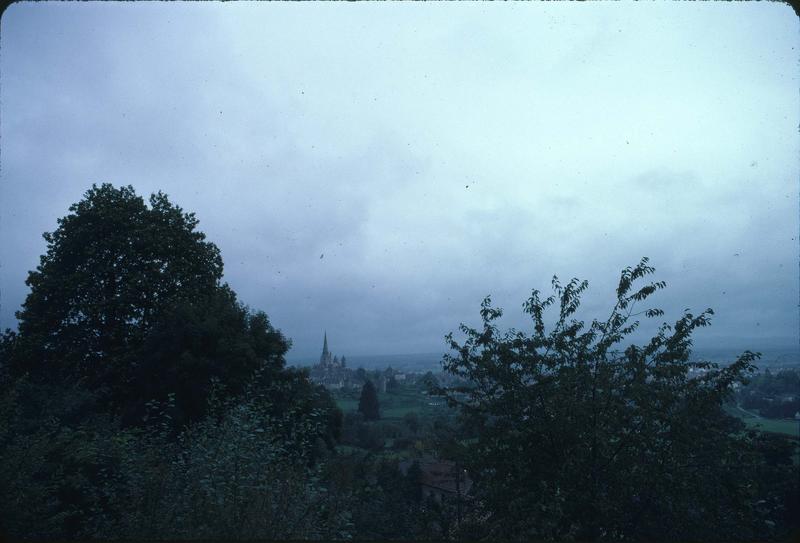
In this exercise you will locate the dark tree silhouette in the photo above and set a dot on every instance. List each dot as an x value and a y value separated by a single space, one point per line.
112 267
128 301
368 403
127 343
582 436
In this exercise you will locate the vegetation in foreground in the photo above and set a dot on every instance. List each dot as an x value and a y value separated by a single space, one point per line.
141 400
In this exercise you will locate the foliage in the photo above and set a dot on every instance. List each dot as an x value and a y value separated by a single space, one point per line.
577 439
368 403
247 470
290 391
126 307
52 457
211 337
127 301
111 268
412 421
383 503
775 396
141 400
240 473
429 380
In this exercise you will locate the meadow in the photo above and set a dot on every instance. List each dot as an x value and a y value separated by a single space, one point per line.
753 420
396 404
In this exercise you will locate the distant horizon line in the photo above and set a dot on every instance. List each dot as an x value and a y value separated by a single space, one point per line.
739 345
312 357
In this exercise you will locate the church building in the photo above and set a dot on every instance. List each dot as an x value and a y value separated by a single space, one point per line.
331 372
325 360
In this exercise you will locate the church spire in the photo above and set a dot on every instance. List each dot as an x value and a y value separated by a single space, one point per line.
325 358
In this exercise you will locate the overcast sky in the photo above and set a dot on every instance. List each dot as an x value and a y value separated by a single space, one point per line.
375 169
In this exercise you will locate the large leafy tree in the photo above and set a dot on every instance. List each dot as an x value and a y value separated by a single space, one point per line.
128 301
583 434
112 268
127 310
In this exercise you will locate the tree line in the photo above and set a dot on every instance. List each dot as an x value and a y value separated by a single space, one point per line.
775 396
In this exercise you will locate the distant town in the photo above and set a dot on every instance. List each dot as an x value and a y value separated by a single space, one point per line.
324 372
409 416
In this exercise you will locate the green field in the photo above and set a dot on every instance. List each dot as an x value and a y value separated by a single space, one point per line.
346 404
753 420
393 405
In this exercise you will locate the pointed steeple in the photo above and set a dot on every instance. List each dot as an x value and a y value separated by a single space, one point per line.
325 358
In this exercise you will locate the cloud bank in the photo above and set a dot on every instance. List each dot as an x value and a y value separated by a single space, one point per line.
375 170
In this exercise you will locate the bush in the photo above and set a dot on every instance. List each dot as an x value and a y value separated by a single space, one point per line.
241 473
582 436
